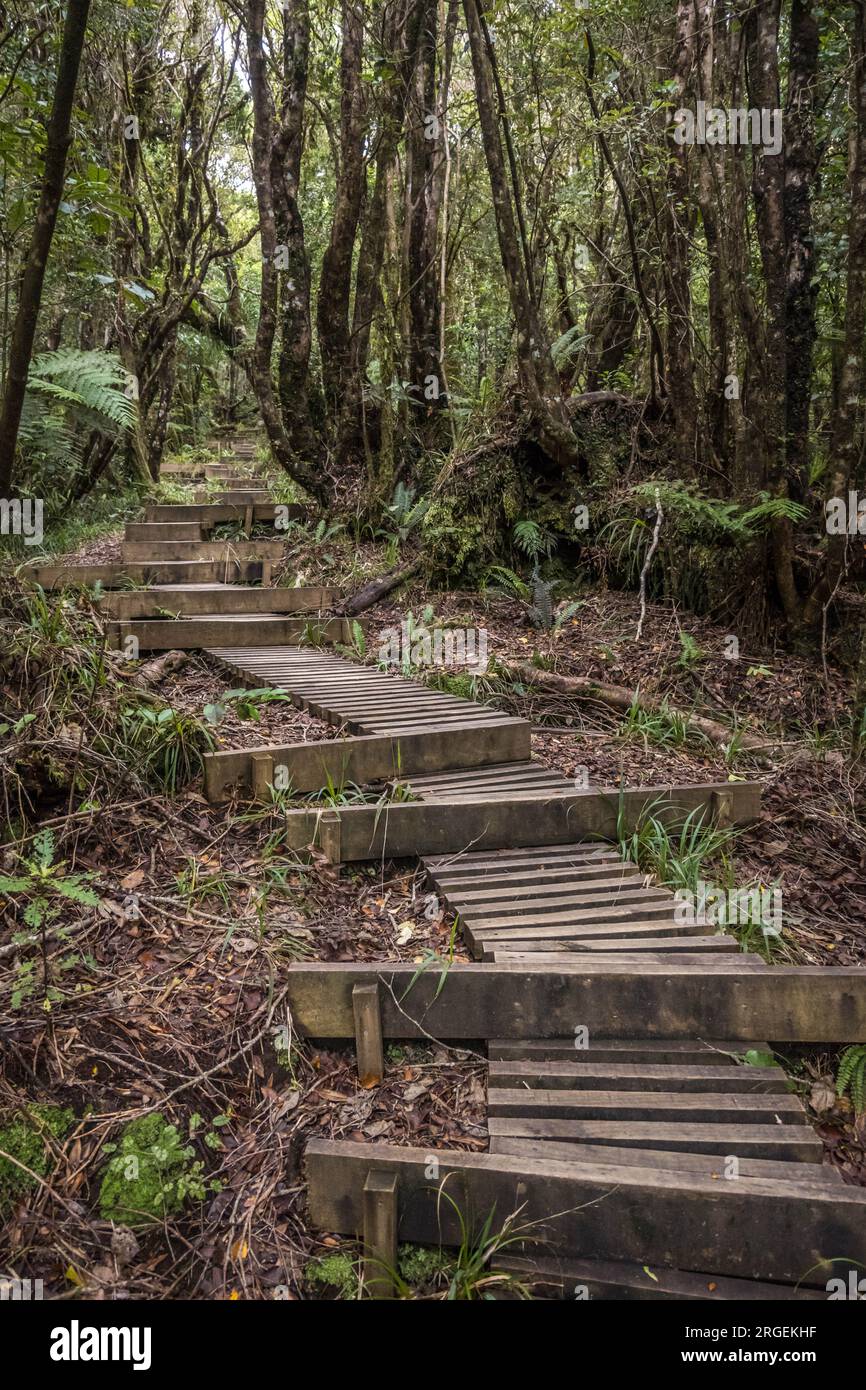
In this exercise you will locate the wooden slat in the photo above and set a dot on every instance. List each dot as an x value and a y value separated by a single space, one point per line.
572 1278
632 1077
715 1166
777 1141
692 1107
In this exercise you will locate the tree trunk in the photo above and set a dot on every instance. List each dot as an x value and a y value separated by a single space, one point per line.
332 311
801 292
30 293
847 434
537 372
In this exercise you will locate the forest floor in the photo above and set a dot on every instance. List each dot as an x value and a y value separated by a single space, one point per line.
180 1006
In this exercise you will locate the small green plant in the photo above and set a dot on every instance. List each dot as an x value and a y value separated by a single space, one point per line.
168 745
335 1273
690 653
532 540
851 1076
247 704
27 1138
40 892
150 1175
675 858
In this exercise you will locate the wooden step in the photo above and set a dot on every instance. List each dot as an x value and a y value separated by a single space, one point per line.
226 599
115 576
209 514
360 760
163 531
628 1051
647 1076
814 1173
673 947
153 552
749 1140
439 827
190 634
719 998
572 1279
689 1107
769 1229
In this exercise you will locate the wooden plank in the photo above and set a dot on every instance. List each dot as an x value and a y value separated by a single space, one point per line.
777 1141
720 998
611 1076
613 1279
165 572
815 1174
186 634
529 952
698 1107
142 603
446 827
151 552
754 1227
663 1051
369 758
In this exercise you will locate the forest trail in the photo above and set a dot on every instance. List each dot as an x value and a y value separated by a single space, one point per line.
641 1156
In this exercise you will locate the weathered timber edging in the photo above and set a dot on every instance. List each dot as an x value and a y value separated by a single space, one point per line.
365 758
766 1229
720 998
501 821
214 599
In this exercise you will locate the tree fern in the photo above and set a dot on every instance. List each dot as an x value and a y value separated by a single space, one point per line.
851 1076
70 394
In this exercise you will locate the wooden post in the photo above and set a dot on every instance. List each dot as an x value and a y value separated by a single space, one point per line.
266 573
329 835
261 775
368 1034
380 1233
248 520
722 809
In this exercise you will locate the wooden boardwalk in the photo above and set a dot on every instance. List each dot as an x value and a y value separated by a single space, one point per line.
647 1158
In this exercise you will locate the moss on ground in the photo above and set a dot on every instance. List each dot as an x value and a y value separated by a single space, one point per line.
27 1138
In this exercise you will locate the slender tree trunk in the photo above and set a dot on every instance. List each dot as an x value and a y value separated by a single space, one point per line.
768 190
677 261
332 311
537 373
30 293
801 292
847 435
257 360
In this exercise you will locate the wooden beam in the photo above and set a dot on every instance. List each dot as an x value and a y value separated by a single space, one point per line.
722 998
372 758
755 1228
514 819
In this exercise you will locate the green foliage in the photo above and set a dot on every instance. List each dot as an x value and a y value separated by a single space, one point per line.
167 746
27 1137
40 893
533 540
676 858
335 1273
245 703
150 1175
69 394
851 1076
690 652
405 511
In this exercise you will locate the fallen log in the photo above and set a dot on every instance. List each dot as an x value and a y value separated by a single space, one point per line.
376 589
153 671
620 697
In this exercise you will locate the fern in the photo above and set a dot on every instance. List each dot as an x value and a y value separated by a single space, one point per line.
533 539
851 1076
71 394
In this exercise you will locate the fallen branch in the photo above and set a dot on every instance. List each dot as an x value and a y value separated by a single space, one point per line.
620 697
375 589
153 671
